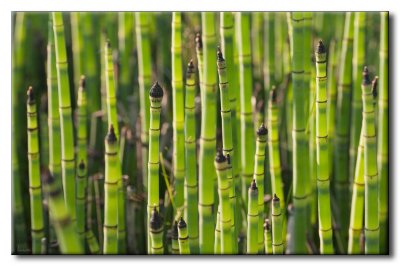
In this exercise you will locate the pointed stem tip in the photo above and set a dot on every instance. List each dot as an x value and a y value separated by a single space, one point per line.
199 42
321 47
253 185
220 158
31 95
219 55
156 91
262 130
182 223
111 137
366 80
82 82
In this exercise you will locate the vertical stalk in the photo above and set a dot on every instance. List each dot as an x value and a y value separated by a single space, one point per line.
183 238
300 197
207 176
246 112
359 60
323 179
81 184
259 173
227 137
64 102
35 185
267 237
191 192
342 128
175 239
225 207
383 133
252 219
112 116
227 46
178 110
67 237
370 169
156 232
277 225
156 94
112 176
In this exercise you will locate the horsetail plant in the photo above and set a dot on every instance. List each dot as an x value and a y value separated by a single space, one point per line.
259 162
183 238
370 169
67 237
342 127
156 232
277 241
110 245
35 184
227 134
383 132
64 102
252 219
178 109
81 184
191 196
246 113
208 139
267 237
175 239
323 179
225 207
156 95
112 116
300 197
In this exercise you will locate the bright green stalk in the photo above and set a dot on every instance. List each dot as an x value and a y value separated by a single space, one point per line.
224 189
64 101
274 152
227 141
269 56
191 196
35 185
125 49
20 235
81 184
323 179
175 237
277 226
300 149
259 162
357 201
53 110
227 46
183 238
112 116
77 47
341 156
370 169
217 238
332 95
252 219
82 123
144 71
112 176
178 109
67 236
156 94
91 240
156 231
44 131
246 113
359 60
383 133
207 175
92 243
257 37
267 237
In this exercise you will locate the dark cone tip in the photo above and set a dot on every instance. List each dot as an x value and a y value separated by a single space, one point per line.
275 198
220 158
199 42
156 91
82 82
273 94
190 67
81 165
366 80
375 86
31 95
111 135
108 43
155 219
175 230
253 185
262 130
219 55
321 47
267 226
48 178
182 223
228 158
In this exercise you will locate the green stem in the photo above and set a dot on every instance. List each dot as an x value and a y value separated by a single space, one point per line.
277 224
252 219
156 232
267 237
183 238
